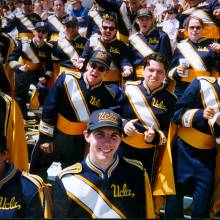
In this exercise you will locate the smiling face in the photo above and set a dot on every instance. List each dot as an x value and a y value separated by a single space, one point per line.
58 7
154 74
104 142
108 30
145 24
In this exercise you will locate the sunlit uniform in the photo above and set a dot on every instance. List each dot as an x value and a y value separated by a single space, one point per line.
39 60
23 195
118 52
125 19
24 24
65 115
202 62
194 150
141 45
204 10
86 191
55 27
65 51
150 108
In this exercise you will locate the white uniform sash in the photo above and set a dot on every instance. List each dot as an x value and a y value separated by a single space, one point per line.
95 201
124 15
25 21
97 45
191 55
76 98
141 107
26 48
56 23
96 18
210 98
67 48
140 45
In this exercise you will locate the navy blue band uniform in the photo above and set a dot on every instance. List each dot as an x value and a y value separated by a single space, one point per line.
202 62
24 23
65 50
22 195
193 148
39 61
150 108
141 45
125 19
118 52
65 115
55 26
204 10
118 194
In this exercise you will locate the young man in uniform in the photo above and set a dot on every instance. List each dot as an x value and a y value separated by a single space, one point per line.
67 109
103 185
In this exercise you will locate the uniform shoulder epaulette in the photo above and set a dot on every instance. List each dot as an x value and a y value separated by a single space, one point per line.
208 78
74 169
136 163
135 83
37 180
75 74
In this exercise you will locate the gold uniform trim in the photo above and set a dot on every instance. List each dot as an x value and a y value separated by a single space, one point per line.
22 35
193 74
202 141
137 141
112 75
69 70
139 71
71 128
31 66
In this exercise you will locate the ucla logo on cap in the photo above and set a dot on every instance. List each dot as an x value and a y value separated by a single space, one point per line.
102 55
103 116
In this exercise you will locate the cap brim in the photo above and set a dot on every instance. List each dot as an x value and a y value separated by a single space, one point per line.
99 61
105 126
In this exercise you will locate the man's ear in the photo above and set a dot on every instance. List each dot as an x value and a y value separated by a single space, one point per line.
86 135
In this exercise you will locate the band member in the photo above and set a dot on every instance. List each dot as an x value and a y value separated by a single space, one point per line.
120 66
104 185
68 106
208 11
194 152
68 49
197 55
147 111
55 21
22 195
147 40
126 16
36 66
24 22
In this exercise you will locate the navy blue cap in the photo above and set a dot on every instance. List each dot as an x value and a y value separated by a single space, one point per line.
144 12
26 2
104 118
41 25
101 57
70 20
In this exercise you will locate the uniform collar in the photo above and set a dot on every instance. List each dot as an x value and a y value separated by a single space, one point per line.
12 171
87 83
155 90
104 174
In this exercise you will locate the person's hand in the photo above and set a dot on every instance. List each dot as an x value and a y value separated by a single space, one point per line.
215 47
42 80
149 134
180 33
127 71
78 63
209 112
180 70
47 147
80 19
24 68
129 128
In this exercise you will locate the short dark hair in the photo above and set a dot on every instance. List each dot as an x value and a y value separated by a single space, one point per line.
110 16
156 57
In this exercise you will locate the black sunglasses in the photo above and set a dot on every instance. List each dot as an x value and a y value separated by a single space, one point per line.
41 31
100 68
111 28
